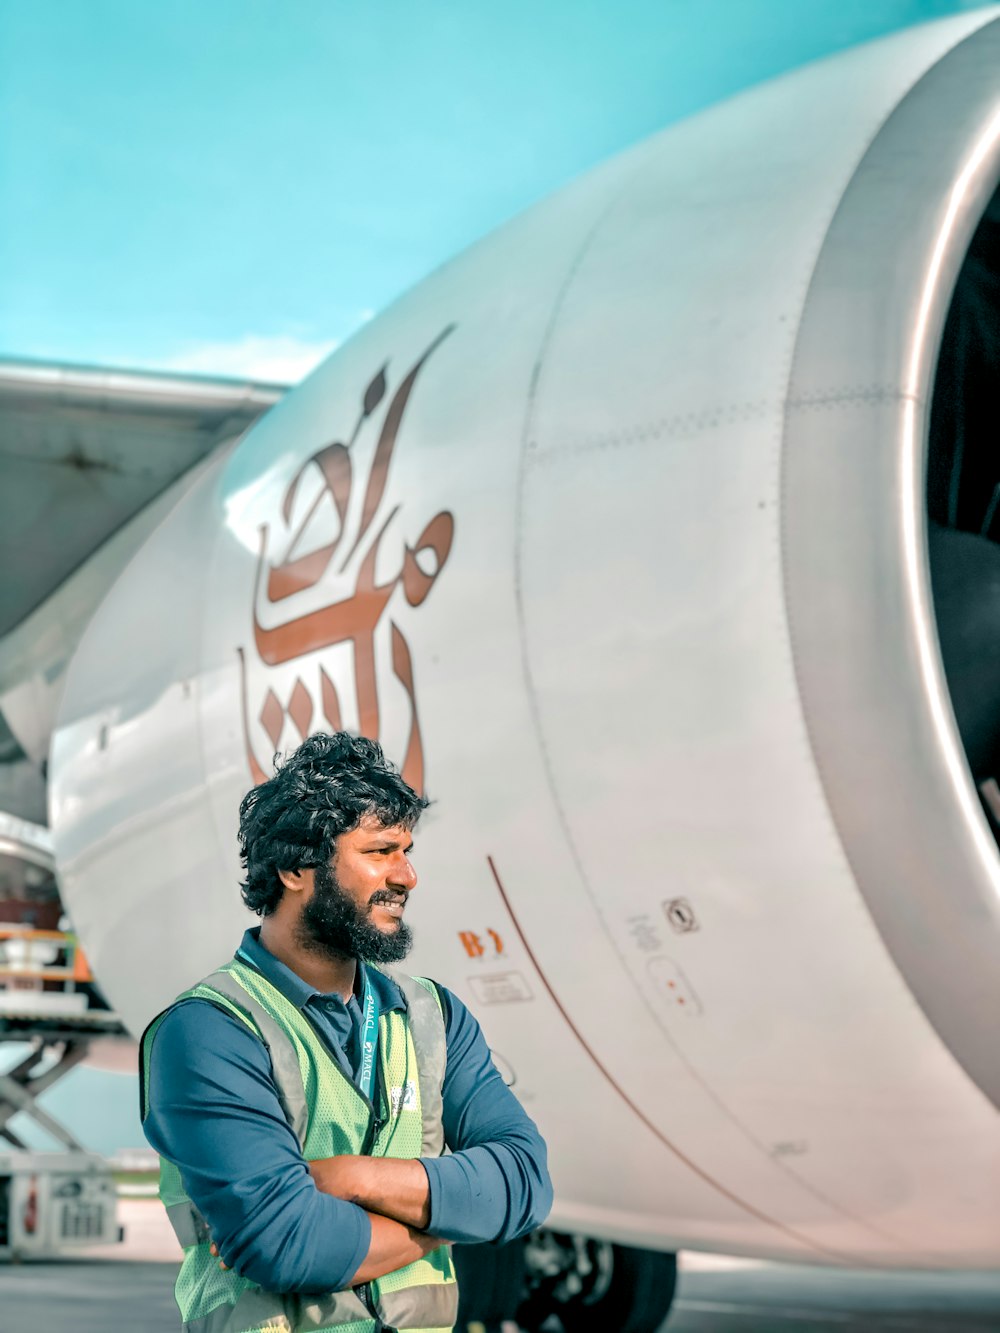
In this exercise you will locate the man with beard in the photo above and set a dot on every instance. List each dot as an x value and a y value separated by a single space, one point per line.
301 1098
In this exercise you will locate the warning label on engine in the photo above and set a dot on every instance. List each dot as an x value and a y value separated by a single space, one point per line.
500 988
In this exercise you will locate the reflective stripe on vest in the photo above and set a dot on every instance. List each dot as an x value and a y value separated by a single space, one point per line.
329 1116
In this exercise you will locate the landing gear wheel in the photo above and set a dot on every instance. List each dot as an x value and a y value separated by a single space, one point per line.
490 1284
593 1286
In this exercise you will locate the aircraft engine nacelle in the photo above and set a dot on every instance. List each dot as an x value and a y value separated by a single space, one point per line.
616 531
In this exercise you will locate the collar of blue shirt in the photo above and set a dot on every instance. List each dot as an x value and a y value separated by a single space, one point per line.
293 988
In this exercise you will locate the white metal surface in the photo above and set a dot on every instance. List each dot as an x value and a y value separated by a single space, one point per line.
631 870
868 664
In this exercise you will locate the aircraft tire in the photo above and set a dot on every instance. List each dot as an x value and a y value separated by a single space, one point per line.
490 1282
627 1289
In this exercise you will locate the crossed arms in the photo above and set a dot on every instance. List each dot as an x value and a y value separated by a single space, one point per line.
395 1193
294 1226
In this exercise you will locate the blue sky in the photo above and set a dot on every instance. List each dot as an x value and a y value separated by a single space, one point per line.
233 186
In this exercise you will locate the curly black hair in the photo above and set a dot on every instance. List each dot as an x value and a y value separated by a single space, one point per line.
322 789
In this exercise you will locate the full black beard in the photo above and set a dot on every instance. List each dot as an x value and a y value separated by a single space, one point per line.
333 925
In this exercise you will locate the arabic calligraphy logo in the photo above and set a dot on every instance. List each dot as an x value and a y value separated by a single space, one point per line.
348 557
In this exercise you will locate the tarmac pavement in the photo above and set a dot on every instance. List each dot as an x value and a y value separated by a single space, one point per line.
787 1298
133 1293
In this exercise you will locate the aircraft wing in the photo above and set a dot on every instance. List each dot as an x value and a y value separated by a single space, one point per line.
83 450
89 458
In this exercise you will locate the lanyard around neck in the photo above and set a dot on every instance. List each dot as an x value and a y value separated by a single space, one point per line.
369 1030
369 1038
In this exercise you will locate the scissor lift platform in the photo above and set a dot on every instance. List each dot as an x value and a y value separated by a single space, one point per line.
50 1202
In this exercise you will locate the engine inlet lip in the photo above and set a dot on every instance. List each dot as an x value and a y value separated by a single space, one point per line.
855 547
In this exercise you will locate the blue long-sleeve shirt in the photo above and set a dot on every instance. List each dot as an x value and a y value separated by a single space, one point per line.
213 1109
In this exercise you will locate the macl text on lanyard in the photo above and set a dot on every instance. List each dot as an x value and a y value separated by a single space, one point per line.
369 1031
369 1040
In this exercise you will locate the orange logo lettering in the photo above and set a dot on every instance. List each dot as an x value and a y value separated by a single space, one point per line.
472 943
350 559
